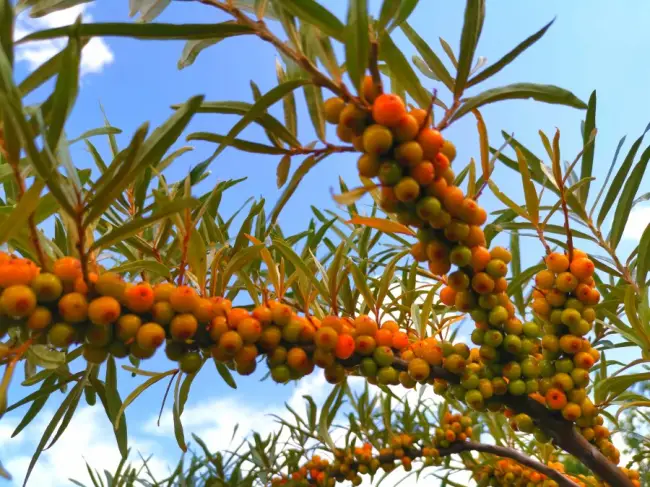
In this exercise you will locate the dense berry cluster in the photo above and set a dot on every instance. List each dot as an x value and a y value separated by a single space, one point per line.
401 450
506 472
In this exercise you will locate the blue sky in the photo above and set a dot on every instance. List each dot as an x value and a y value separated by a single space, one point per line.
590 46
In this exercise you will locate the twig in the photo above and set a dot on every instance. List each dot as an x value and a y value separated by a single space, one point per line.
81 242
445 121
261 30
328 149
20 181
430 109
374 67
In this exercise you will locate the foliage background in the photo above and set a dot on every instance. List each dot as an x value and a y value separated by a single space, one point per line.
595 47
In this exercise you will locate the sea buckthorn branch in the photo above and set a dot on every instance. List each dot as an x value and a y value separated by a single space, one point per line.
261 30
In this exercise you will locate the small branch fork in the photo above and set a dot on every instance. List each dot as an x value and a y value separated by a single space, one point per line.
261 30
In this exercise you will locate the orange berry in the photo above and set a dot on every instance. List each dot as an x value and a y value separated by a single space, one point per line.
344 347
475 237
388 110
47 287
431 141
183 299
67 269
250 330
365 325
326 338
422 117
384 337
418 252
482 283
582 268
423 173
162 291
39 319
555 398
73 307
400 340
448 296
18 301
406 129
221 305
480 258
439 268
204 310
104 310
390 325
369 90
441 164
150 336
556 262
544 279
139 298
419 369
297 359
231 342
331 321
332 109
183 327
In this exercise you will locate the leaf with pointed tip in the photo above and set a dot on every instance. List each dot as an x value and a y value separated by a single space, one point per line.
587 164
157 31
282 171
521 91
643 261
532 200
317 15
472 26
507 201
432 60
509 57
18 217
381 224
401 69
225 374
628 194
357 45
192 49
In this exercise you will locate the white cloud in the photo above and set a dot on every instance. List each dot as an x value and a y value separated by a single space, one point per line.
637 222
89 437
95 55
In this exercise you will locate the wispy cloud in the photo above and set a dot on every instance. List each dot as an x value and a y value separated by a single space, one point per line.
637 222
95 55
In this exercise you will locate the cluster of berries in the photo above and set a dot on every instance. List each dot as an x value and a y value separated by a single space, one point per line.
402 449
506 472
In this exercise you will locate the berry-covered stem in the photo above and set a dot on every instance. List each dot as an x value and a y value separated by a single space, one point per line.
261 30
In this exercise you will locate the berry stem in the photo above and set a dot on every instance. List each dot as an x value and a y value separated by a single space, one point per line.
374 67
261 30
445 121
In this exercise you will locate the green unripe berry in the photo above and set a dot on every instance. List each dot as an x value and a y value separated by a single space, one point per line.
460 256
571 316
498 315
581 328
496 268
387 375
493 338
390 173
485 388
517 387
407 189
564 365
512 370
383 356
524 423
409 153
333 108
512 343
474 399
499 386
532 385
478 336
487 301
191 362
546 368
428 207
531 329
368 166
469 381
530 368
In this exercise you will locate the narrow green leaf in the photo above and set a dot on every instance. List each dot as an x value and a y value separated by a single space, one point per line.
258 109
288 105
225 374
18 217
137 266
37 405
139 223
317 15
406 8
192 49
430 58
628 194
314 98
388 10
589 147
448 51
299 264
282 171
7 29
532 200
507 201
176 415
544 93
401 69
113 405
139 390
65 91
643 261
157 31
357 42
94 132
619 179
197 257
472 26
509 57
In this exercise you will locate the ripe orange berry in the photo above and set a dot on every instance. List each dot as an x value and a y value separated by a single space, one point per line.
365 325
139 298
67 269
448 296
231 342
400 340
555 398
183 299
384 337
482 283
556 262
297 359
369 89
423 173
475 237
544 279
344 347
480 258
104 310
204 310
582 268
73 308
18 301
250 330
441 165
571 411
431 141
377 140
150 336
332 109
388 110
419 369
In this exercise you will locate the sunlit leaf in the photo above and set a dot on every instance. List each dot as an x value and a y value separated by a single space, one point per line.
472 26
431 58
357 45
382 224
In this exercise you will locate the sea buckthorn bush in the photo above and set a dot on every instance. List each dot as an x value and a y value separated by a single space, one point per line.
410 287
